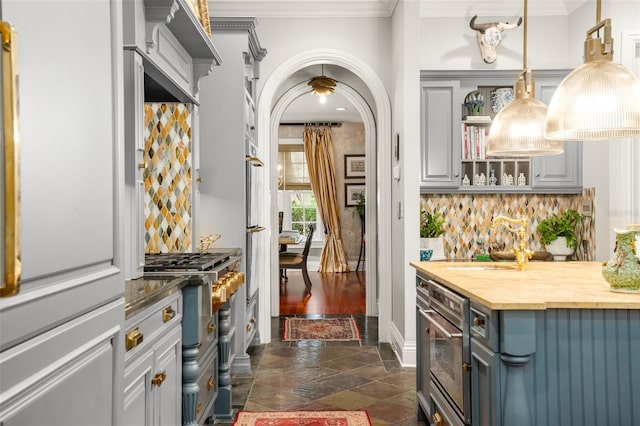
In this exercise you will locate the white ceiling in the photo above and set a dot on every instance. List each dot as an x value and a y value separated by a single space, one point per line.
384 8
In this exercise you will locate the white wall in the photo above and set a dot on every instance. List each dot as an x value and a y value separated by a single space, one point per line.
365 38
449 44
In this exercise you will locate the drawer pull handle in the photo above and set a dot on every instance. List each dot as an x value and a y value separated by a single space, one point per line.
211 383
168 313
478 322
253 319
133 338
466 366
198 408
248 328
159 378
437 419
211 327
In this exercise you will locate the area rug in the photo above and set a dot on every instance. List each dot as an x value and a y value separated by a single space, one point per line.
303 418
320 329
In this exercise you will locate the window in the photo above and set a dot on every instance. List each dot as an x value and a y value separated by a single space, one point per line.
304 210
296 199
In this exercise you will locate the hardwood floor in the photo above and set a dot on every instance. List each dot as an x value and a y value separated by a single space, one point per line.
331 293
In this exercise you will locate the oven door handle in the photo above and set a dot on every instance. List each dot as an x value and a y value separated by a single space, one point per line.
425 313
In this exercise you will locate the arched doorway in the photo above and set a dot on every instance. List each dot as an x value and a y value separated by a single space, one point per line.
378 154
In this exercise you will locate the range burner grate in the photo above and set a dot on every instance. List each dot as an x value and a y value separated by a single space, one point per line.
183 262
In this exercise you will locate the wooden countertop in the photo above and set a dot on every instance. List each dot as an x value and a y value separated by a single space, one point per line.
543 285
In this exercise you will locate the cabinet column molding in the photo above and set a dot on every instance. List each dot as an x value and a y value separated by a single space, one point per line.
516 402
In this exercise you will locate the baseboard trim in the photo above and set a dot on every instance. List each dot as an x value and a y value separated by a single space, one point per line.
405 350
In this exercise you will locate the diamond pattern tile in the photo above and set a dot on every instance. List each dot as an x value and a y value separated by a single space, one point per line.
167 179
468 219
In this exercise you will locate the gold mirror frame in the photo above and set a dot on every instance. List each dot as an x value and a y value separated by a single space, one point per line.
11 267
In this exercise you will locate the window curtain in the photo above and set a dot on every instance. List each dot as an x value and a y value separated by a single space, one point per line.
318 149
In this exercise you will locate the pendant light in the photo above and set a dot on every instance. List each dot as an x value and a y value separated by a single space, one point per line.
518 129
598 100
322 86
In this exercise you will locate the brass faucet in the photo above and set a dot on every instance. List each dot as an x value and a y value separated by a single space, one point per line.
522 252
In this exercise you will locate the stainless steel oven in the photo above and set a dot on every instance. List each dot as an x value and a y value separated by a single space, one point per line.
447 334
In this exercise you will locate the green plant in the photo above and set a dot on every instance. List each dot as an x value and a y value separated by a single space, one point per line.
431 224
560 226
359 208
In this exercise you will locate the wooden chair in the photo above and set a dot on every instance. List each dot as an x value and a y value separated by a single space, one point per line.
289 260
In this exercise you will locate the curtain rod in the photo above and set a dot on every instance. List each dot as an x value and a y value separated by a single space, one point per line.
313 123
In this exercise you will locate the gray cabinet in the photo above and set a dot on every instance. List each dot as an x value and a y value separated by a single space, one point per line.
61 336
153 365
443 165
227 135
440 134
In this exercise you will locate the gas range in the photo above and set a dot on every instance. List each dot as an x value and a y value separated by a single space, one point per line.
206 263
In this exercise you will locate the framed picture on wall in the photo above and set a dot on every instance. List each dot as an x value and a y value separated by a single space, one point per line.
352 193
354 166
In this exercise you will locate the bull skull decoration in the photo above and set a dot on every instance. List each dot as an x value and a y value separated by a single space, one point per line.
489 36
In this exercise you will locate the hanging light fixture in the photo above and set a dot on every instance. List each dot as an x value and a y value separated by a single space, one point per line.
518 129
598 100
322 86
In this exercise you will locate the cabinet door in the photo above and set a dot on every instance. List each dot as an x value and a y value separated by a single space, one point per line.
137 391
485 385
562 172
440 134
168 394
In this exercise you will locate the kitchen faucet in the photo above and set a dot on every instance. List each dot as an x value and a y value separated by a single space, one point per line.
522 252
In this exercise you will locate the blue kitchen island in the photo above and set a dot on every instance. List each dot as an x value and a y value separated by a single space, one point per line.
551 345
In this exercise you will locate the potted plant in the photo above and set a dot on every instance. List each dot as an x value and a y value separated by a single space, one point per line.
431 231
558 234
360 207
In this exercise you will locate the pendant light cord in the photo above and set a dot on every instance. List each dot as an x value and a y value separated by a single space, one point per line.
524 48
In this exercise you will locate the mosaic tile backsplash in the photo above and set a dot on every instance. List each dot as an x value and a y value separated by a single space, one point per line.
167 178
468 219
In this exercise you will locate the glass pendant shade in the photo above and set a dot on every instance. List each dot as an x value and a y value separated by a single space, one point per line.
518 131
598 100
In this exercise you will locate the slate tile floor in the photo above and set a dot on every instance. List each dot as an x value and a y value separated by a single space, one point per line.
317 375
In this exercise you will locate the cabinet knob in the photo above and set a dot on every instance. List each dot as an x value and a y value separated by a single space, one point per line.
211 327
142 165
198 408
211 383
159 378
133 338
168 313
253 319
466 366
248 328
456 175
199 180
537 174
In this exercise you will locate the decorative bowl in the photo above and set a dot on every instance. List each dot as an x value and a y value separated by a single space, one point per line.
425 254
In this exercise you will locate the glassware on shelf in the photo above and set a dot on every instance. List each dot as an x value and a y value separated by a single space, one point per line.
493 180
482 180
505 179
465 180
522 180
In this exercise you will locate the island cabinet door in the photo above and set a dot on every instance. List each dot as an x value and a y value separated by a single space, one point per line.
485 385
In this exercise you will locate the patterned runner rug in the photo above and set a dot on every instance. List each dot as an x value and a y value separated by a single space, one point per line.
320 329
303 418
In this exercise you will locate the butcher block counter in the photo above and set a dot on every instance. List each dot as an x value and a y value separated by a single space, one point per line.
550 345
543 285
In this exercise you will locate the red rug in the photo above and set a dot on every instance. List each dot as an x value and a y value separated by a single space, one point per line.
303 418
320 329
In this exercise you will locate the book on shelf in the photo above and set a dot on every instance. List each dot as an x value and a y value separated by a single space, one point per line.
474 141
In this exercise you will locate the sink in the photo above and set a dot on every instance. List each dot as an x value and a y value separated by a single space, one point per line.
489 267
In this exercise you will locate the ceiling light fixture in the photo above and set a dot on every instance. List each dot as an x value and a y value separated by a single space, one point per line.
598 100
322 86
518 129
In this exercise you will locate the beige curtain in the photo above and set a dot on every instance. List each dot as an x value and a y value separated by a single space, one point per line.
318 150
